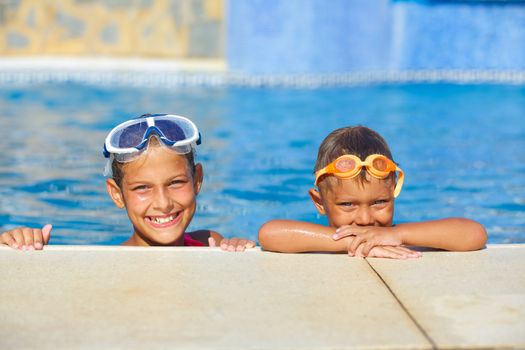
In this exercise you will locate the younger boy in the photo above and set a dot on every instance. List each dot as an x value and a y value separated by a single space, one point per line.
356 186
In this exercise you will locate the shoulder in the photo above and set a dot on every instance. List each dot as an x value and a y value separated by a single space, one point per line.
203 235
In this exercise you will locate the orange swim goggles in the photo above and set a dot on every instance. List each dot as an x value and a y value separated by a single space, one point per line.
349 166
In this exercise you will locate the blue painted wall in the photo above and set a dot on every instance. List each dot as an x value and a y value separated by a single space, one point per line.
331 36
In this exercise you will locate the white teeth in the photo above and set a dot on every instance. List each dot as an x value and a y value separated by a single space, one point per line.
163 220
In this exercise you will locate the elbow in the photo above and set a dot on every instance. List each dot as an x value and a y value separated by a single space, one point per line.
480 236
477 236
267 236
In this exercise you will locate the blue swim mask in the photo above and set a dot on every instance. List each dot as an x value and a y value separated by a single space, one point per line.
128 140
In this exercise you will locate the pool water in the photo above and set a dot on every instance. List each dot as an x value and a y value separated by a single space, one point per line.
462 148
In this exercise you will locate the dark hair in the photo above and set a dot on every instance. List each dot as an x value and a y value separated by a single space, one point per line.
117 168
357 140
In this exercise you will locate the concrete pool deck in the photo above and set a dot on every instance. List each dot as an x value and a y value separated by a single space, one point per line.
200 298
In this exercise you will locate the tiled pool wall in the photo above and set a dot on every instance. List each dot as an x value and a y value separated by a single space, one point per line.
275 36
353 35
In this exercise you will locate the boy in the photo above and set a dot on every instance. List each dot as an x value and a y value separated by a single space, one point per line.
356 186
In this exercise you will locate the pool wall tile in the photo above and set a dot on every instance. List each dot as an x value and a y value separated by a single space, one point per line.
307 36
274 36
459 36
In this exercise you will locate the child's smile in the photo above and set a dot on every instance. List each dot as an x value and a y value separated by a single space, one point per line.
164 221
159 194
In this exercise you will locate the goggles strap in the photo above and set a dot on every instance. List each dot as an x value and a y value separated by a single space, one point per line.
108 172
399 182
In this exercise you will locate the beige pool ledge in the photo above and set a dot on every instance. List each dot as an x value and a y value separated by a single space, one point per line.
75 297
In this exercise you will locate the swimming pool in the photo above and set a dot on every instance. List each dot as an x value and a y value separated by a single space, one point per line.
462 148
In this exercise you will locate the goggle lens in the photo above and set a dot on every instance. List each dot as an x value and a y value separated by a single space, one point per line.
131 136
380 164
171 130
345 165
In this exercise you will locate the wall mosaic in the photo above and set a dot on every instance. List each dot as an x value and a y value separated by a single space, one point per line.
141 28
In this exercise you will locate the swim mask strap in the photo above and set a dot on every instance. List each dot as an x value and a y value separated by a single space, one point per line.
108 170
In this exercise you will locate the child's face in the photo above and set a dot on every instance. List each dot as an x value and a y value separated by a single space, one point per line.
352 202
159 194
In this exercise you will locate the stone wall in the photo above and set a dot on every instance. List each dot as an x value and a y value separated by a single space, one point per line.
143 28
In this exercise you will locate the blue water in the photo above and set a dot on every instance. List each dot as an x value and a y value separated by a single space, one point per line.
462 148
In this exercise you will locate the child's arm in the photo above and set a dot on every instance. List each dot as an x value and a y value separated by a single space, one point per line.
455 234
287 236
26 238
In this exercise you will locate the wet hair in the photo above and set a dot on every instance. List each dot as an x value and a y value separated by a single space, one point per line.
117 168
356 140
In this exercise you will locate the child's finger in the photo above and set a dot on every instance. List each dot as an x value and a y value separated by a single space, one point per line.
27 236
41 237
242 245
385 252
367 247
232 244
240 248
250 244
407 253
410 252
7 239
355 244
347 231
227 245
211 242
46 233
342 228
359 251
369 244
342 232
38 241
29 239
394 253
18 236
404 252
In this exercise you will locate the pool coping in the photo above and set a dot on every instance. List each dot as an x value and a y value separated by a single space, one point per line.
477 301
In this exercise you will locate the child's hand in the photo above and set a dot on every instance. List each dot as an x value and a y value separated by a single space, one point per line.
232 244
365 238
26 238
392 253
